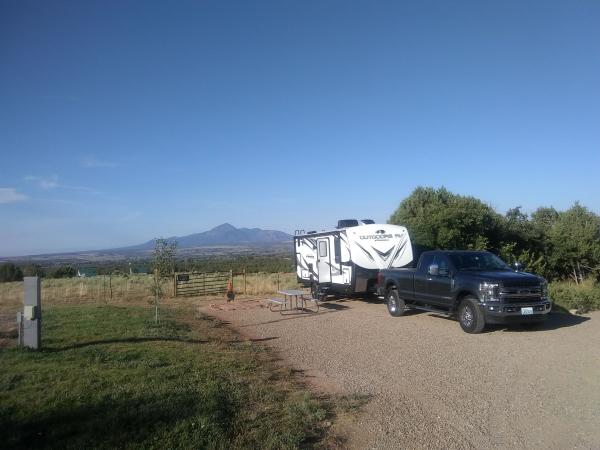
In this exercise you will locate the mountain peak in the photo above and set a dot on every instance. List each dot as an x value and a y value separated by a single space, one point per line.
224 227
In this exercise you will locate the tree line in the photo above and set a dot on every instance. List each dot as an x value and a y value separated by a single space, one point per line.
12 272
250 263
556 244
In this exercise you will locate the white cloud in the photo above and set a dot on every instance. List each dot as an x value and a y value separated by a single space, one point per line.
91 162
10 195
50 182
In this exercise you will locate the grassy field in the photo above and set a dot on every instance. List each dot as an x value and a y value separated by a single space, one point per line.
129 289
108 377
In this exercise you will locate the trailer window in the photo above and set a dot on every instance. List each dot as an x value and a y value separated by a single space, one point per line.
322 248
337 249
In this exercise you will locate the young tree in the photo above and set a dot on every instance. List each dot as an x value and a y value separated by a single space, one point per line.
163 265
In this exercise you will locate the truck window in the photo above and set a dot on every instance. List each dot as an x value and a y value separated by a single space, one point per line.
442 265
425 261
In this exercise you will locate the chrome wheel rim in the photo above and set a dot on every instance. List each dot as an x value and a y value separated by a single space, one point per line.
392 303
467 316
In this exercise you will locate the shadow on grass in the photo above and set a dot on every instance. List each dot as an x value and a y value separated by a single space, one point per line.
114 422
137 340
129 340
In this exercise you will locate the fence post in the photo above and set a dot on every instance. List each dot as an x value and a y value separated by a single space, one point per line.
175 284
244 281
278 281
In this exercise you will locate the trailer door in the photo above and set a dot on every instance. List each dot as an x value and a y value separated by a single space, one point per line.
323 260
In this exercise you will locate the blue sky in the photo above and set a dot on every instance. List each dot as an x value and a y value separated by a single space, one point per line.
123 121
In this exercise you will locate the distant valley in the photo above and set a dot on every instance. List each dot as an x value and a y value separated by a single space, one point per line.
224 239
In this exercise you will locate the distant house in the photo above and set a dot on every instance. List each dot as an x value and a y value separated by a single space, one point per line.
85 272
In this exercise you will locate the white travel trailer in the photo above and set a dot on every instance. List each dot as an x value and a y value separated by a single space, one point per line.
347 260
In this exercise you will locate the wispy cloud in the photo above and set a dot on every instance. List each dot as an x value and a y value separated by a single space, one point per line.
50 182
91 162
11 195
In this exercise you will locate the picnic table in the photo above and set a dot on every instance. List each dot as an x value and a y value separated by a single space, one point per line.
294 300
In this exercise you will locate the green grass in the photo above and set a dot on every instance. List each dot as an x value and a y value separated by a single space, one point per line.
109 378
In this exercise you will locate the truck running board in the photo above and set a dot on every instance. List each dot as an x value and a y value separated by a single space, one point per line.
445 312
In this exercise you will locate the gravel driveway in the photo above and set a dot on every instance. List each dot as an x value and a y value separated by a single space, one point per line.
433 386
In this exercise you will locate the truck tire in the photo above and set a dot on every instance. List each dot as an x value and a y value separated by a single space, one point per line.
470 316
395 305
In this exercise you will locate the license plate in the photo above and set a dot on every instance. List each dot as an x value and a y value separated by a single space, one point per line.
527 311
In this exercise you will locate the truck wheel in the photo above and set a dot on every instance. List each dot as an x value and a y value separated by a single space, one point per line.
470 316
395 304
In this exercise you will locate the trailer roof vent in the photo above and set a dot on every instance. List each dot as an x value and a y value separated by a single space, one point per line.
367 221
311 232
347 223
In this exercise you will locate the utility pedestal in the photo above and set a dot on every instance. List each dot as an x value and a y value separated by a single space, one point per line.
32 313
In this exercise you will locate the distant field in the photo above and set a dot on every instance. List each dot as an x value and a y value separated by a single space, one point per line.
130 289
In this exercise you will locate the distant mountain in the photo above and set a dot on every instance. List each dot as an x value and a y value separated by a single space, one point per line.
221 240
224 235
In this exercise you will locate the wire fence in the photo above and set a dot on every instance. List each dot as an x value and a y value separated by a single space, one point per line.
137 287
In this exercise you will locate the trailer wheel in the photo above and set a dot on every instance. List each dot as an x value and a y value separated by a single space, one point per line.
470 316
314 290
395 304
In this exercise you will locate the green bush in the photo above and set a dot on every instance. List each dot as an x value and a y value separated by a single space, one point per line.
583 297
10 272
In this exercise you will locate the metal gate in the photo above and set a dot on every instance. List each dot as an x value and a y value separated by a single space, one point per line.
201 283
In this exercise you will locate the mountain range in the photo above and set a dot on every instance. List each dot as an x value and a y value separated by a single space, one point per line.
221 240
224 235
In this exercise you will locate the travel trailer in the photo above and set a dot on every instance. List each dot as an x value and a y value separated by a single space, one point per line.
346 260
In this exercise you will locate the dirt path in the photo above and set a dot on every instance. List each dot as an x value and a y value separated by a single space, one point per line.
433 386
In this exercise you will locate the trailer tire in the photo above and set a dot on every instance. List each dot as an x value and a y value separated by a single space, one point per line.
470 316
395 305
314 290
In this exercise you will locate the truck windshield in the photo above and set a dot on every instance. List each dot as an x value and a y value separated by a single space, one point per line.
478 261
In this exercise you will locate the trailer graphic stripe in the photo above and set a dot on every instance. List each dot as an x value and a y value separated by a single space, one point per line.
366 252
400 251
384 255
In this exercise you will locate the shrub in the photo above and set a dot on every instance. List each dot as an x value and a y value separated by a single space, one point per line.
10 272
583 297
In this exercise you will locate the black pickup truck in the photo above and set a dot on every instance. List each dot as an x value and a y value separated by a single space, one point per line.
478 287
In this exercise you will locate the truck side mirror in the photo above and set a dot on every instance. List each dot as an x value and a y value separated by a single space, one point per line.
433 270
517 266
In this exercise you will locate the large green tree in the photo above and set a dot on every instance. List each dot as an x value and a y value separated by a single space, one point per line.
574 242
437 218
